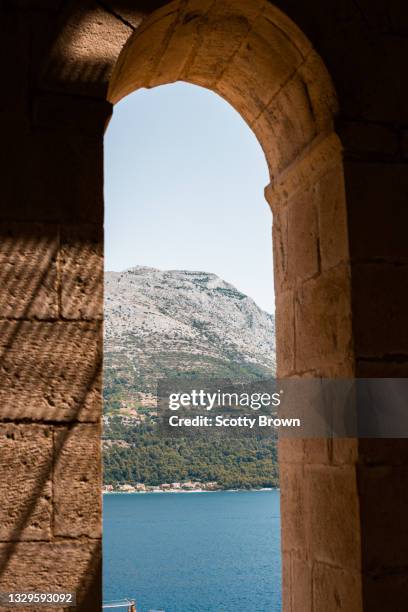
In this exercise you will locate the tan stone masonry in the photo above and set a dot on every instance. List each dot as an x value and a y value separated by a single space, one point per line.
323 87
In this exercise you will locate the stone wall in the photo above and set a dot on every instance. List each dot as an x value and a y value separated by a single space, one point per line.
325 98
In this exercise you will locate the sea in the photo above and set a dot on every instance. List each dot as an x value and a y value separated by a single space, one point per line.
193 552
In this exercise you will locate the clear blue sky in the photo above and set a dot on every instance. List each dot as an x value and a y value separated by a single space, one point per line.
184 181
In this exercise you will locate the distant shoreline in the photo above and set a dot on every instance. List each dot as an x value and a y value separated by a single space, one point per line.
176 492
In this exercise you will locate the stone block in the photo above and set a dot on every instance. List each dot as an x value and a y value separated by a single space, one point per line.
336 589
286 127
82 57
28 271
286 582
50 371
294 508
333 520
345 451
258 71
53 567
285 333
296 241
140 58
81 261
317 451
77 482
221 32
182 37
286 25
321 92
133 15
301 592
303 253
332 218
380 304
26 482
323 324
291 450
323 155
280 243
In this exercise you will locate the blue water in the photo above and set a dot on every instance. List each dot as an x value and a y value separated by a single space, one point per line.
194 552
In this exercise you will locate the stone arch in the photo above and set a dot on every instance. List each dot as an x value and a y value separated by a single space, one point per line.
344 544
256 58
248 52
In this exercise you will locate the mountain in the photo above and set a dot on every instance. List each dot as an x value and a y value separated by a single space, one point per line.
160 323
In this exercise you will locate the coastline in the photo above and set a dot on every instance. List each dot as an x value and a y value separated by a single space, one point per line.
178 492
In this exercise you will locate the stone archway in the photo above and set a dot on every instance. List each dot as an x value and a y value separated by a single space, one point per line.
344 504
252 55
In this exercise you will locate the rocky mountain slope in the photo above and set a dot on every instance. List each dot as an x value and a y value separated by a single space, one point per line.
160 323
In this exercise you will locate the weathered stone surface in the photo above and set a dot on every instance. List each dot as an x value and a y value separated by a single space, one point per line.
286 126
336 589
50 371
85 51
182 38
251 86
323 323
286 582
296 242
285 333
53 567
77 482
301 591
280 238
81 261
320 92
332 218
294 507
221 33
345 451
25 485
303 250
317 451
291 450
332 517
28 270
54 174
318 159
140 57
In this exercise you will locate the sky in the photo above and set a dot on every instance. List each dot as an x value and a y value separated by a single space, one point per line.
184 183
